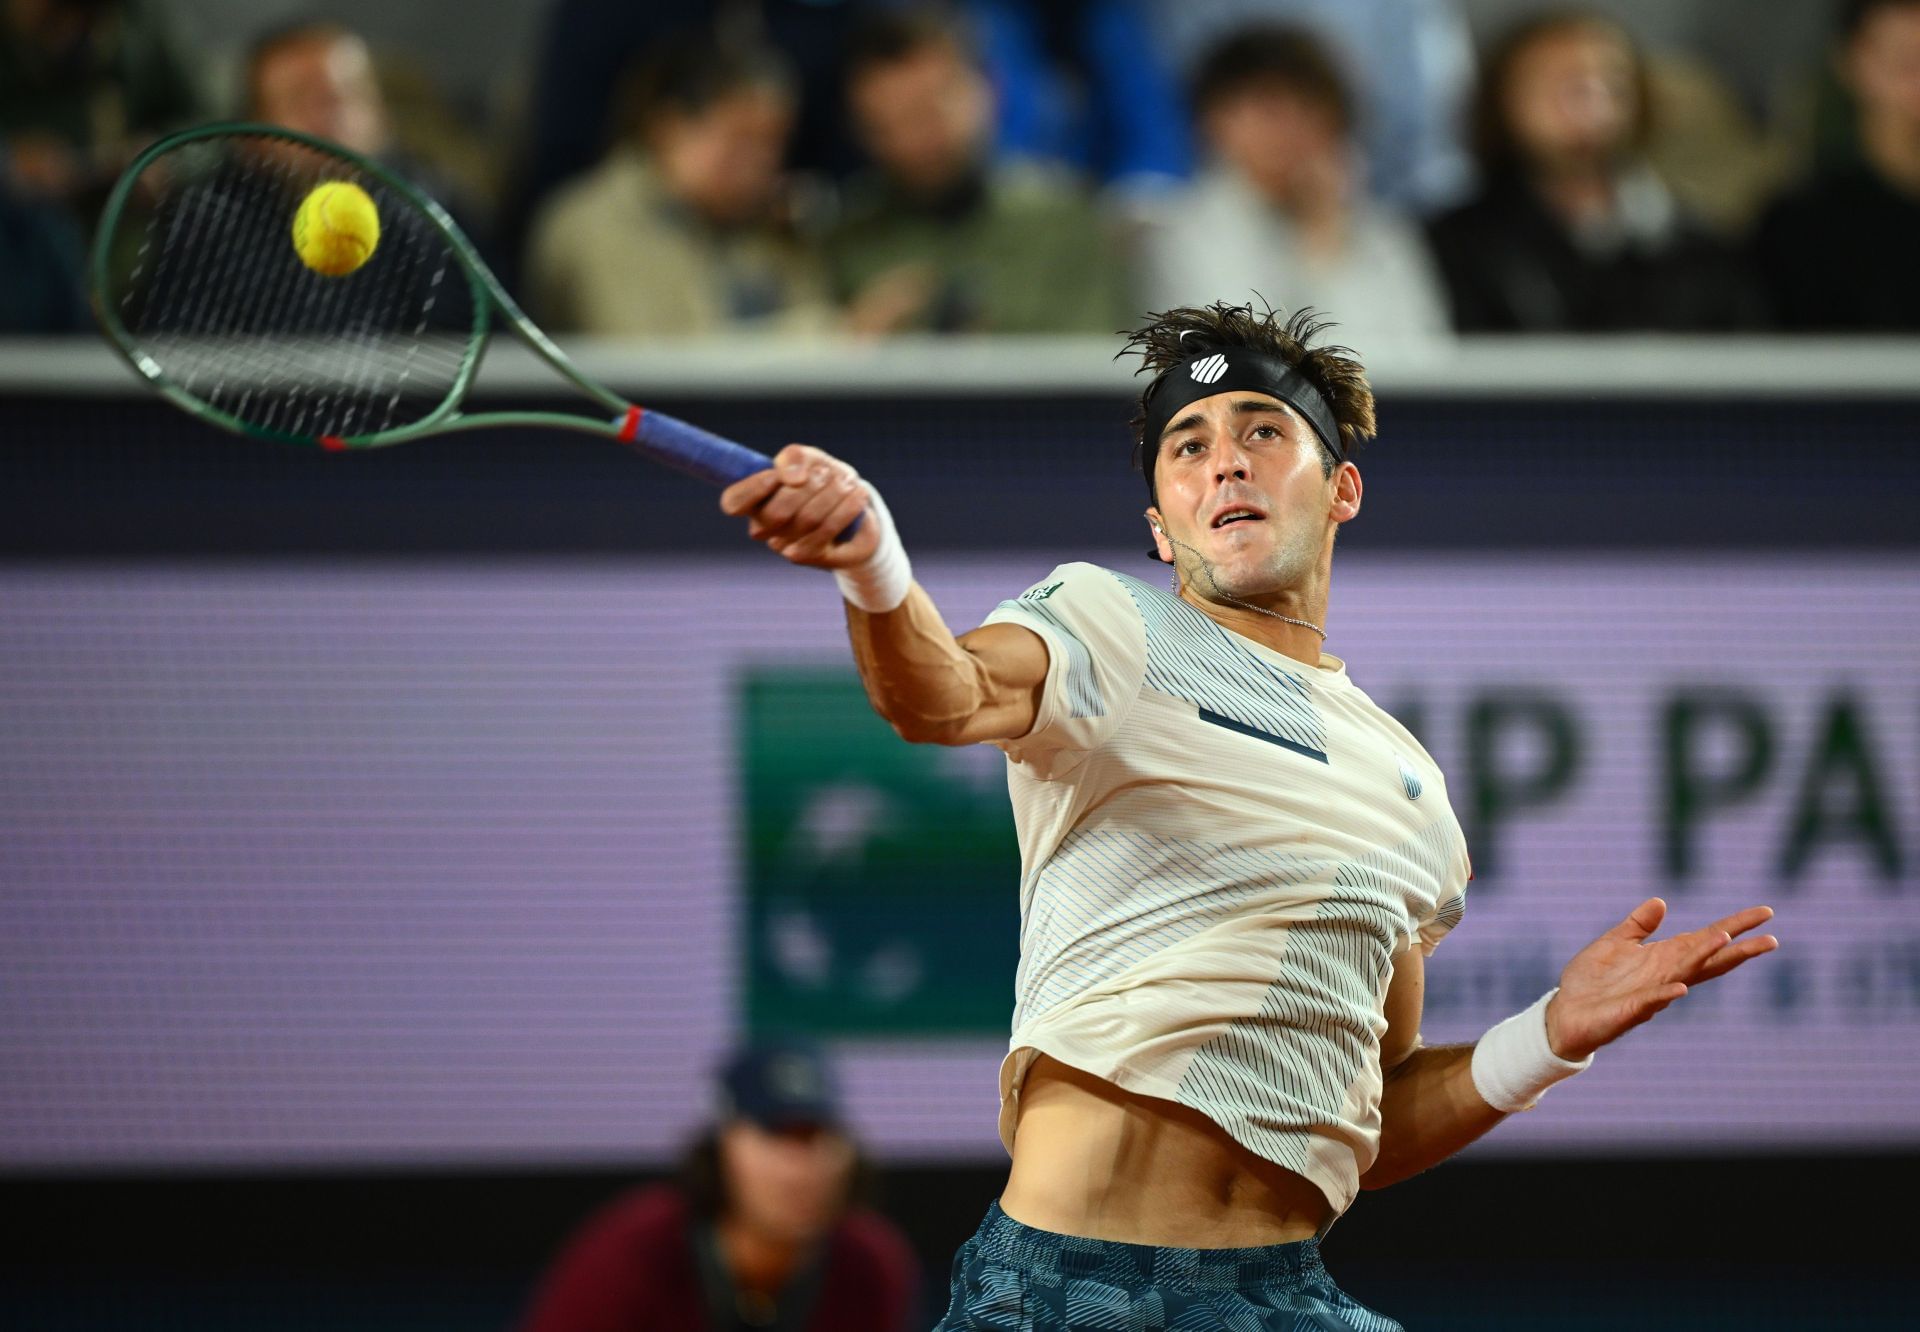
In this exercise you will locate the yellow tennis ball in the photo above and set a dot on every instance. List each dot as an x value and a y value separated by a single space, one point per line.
336 228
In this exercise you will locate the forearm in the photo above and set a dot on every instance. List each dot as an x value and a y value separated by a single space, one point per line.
929 685
916 673
1429 1109
1436 1101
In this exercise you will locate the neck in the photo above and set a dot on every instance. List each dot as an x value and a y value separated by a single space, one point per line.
1892 146
755 1260
1288 639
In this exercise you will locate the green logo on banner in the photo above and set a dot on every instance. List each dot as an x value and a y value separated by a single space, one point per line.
882 878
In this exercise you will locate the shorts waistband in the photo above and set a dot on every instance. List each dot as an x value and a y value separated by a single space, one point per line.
1042 1253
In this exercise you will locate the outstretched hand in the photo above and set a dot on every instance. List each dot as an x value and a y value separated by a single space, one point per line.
799 507
1624 977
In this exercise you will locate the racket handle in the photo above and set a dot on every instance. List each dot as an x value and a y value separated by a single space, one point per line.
688 448
699 453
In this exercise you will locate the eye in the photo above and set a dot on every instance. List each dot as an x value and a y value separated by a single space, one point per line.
1266 431
1182 449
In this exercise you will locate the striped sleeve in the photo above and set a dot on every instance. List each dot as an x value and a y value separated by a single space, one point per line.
1436 927
1096 658
1452 907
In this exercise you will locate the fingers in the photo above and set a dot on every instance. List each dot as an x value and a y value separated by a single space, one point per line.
1726 959
1741 921
821 484
801 505
828 515
1705 948
1659 998
748 493
817 504
1641 922
789 465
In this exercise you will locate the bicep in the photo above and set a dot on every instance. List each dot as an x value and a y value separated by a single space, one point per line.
1011 664
1406 997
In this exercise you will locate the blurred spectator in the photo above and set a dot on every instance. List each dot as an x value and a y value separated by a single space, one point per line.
1571 230
941 238
40 280
589 45
682 230
1084 82
1279 209
1842 251
83 85
762 1229
318 78
1411 62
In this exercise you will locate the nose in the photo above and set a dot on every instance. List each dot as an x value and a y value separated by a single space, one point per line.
1230 460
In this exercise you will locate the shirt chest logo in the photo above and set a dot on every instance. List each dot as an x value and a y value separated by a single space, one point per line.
1409 779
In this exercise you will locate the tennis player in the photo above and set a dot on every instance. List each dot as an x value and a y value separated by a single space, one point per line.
1234 865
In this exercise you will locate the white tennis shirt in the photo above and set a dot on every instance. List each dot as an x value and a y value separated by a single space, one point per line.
1222 849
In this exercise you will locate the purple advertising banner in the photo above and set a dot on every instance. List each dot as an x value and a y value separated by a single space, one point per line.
376 863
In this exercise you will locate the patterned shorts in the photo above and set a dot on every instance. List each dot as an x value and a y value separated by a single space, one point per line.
1013 1278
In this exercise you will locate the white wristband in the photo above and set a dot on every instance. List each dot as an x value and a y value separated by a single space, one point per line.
880 582
1514 1064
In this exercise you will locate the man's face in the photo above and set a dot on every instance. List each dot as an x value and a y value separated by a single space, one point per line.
1240 484
924 118
1570 97
725 161
1882 64
325 86
786 1184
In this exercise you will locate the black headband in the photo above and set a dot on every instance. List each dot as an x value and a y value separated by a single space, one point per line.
1238 369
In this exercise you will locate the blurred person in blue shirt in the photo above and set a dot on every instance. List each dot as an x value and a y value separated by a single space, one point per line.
941 237
1084 82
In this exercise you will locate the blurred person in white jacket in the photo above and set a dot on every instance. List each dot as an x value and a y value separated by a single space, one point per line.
1280 208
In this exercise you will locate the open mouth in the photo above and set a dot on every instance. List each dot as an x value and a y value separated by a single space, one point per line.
1231 516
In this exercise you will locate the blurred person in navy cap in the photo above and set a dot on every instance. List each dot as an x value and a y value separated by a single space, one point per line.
763 1227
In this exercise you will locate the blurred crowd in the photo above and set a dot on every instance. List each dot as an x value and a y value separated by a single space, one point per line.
805 167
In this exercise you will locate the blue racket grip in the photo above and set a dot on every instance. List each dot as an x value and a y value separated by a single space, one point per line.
699 453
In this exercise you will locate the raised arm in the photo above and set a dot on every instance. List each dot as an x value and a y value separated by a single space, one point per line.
930 686
1438 1099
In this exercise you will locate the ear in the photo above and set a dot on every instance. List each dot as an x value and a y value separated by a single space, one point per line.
1157 525
1346 493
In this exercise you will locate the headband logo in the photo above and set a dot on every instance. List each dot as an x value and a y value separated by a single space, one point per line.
1209 370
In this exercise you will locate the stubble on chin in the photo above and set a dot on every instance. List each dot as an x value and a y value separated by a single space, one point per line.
1287 565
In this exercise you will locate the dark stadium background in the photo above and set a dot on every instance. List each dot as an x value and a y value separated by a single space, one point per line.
1554 461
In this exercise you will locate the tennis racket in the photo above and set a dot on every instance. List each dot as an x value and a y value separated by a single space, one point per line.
198 278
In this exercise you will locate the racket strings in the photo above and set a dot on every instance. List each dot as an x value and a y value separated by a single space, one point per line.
216 296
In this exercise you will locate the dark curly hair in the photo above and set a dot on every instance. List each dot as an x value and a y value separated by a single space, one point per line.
1174 336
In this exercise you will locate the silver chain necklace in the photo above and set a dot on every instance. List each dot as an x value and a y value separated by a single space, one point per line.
1206 567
